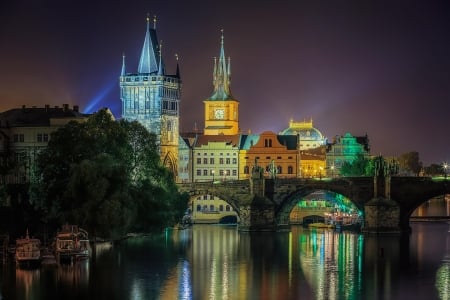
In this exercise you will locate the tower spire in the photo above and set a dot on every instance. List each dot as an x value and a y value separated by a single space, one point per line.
178 67
148 62
122 73
221 75
160 68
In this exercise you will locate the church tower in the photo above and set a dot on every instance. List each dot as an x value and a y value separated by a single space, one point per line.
152 97
221 109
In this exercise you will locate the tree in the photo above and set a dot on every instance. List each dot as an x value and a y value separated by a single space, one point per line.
106 176
361 166
434 170
410 163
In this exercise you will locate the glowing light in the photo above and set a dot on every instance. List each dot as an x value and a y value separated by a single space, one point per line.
93 104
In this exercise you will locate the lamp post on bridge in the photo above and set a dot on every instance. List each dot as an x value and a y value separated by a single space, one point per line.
445 166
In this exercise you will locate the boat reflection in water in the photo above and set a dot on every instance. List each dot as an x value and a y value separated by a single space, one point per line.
75 276
27 282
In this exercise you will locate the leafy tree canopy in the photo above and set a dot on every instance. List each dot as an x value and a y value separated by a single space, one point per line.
107 176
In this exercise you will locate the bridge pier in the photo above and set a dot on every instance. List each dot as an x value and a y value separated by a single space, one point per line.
381 215
257 216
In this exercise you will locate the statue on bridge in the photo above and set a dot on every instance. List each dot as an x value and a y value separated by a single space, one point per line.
385 169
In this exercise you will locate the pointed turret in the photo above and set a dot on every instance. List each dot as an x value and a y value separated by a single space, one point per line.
122 73
148 62
178 67
221 75
160 66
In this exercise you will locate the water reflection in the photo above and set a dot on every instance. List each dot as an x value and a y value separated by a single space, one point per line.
27 281
218 262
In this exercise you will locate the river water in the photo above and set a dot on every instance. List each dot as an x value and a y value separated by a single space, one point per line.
218 262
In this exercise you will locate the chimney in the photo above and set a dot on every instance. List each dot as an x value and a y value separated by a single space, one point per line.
76 108
47 107
65 107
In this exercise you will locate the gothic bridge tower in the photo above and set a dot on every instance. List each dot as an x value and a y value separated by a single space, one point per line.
221 109
151 97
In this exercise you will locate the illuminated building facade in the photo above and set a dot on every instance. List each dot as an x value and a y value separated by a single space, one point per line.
308 136
277 154
152 98
221 109
24 132
214 158
345 148
312 162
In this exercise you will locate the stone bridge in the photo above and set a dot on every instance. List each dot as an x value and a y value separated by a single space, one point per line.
264 204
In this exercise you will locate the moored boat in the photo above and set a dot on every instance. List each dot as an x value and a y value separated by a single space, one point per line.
72 244
28 252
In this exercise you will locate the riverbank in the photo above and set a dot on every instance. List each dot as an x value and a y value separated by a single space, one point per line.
430 219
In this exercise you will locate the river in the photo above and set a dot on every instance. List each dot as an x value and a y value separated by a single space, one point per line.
219 262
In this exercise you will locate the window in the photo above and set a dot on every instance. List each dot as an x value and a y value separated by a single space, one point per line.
234 172
227 161
221 207
205 197
45 137
279 170
211 207
268 143
205 172
221 161
199 161
211 161
246 170
290 170
199 207
205 161
227 208
234 161
39 137
199 172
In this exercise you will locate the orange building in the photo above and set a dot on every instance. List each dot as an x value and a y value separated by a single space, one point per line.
276 153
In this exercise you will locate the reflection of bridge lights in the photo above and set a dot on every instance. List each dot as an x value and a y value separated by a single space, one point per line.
443 281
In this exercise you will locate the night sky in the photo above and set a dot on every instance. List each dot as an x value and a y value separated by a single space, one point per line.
375 67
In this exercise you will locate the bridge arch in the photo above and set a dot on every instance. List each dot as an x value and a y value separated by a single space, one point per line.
285 208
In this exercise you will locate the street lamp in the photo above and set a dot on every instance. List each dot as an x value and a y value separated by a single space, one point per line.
445 166
332 171
212 172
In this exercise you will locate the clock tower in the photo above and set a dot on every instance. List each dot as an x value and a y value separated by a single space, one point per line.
221 109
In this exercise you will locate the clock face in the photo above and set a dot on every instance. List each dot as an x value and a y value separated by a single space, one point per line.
219 113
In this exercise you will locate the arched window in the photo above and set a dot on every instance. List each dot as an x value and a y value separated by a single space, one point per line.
199 207
279 169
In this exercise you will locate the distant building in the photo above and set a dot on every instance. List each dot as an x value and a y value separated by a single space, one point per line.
151 97
277 154
313 162
345 148
221 109
308 136
26 131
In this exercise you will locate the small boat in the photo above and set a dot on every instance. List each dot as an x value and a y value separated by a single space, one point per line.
72 244
320 225
28 252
